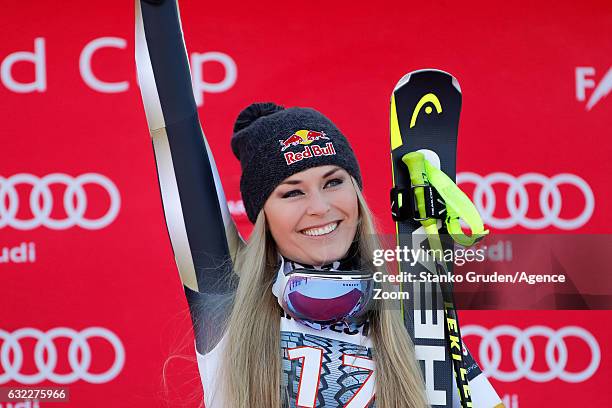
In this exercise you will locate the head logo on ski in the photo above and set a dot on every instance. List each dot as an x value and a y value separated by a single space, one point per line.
427 98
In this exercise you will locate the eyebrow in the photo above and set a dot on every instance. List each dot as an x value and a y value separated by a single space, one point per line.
297 181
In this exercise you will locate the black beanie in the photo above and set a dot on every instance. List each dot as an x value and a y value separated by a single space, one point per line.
273 143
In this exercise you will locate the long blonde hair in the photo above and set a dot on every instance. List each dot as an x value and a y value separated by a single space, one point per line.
251 371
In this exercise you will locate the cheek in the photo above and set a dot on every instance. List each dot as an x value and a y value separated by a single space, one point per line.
281 219
349 205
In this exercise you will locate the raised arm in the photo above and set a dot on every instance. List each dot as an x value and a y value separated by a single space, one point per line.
203 236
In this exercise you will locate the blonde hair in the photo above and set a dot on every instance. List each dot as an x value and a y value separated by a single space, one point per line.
251 371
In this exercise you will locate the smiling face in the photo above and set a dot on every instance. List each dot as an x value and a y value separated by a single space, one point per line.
312 215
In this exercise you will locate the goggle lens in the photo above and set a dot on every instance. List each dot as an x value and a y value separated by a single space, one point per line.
323 300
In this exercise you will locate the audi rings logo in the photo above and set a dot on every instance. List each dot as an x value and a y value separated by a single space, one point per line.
518 208
41 201
490 353
46 368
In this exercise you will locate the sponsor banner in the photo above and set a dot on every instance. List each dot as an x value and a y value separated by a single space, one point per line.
41 202
530 358
550 195
79 355
523 352
90 295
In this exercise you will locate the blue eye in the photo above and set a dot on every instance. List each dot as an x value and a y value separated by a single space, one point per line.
334 182
292 193
329 184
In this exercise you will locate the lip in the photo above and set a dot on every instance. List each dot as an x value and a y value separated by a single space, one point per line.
320 226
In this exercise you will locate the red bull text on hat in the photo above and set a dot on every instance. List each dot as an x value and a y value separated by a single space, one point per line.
306 137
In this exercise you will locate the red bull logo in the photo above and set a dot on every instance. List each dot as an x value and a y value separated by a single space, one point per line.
303 137
306 137
310 151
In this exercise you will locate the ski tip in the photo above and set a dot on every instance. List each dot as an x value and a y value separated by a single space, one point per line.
406 78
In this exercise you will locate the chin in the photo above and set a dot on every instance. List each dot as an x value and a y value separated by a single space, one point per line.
319 251
325 258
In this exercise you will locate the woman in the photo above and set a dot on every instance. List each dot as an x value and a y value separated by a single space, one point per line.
306 203
274 323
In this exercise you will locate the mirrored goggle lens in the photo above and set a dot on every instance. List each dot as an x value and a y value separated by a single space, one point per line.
323 299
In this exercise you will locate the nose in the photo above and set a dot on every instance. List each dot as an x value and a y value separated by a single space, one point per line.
318 204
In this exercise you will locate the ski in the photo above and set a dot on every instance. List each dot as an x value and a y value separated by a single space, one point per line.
425 109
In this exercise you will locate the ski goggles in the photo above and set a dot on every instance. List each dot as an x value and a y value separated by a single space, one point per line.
323 297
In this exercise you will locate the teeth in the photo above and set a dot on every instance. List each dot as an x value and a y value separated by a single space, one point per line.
315 232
